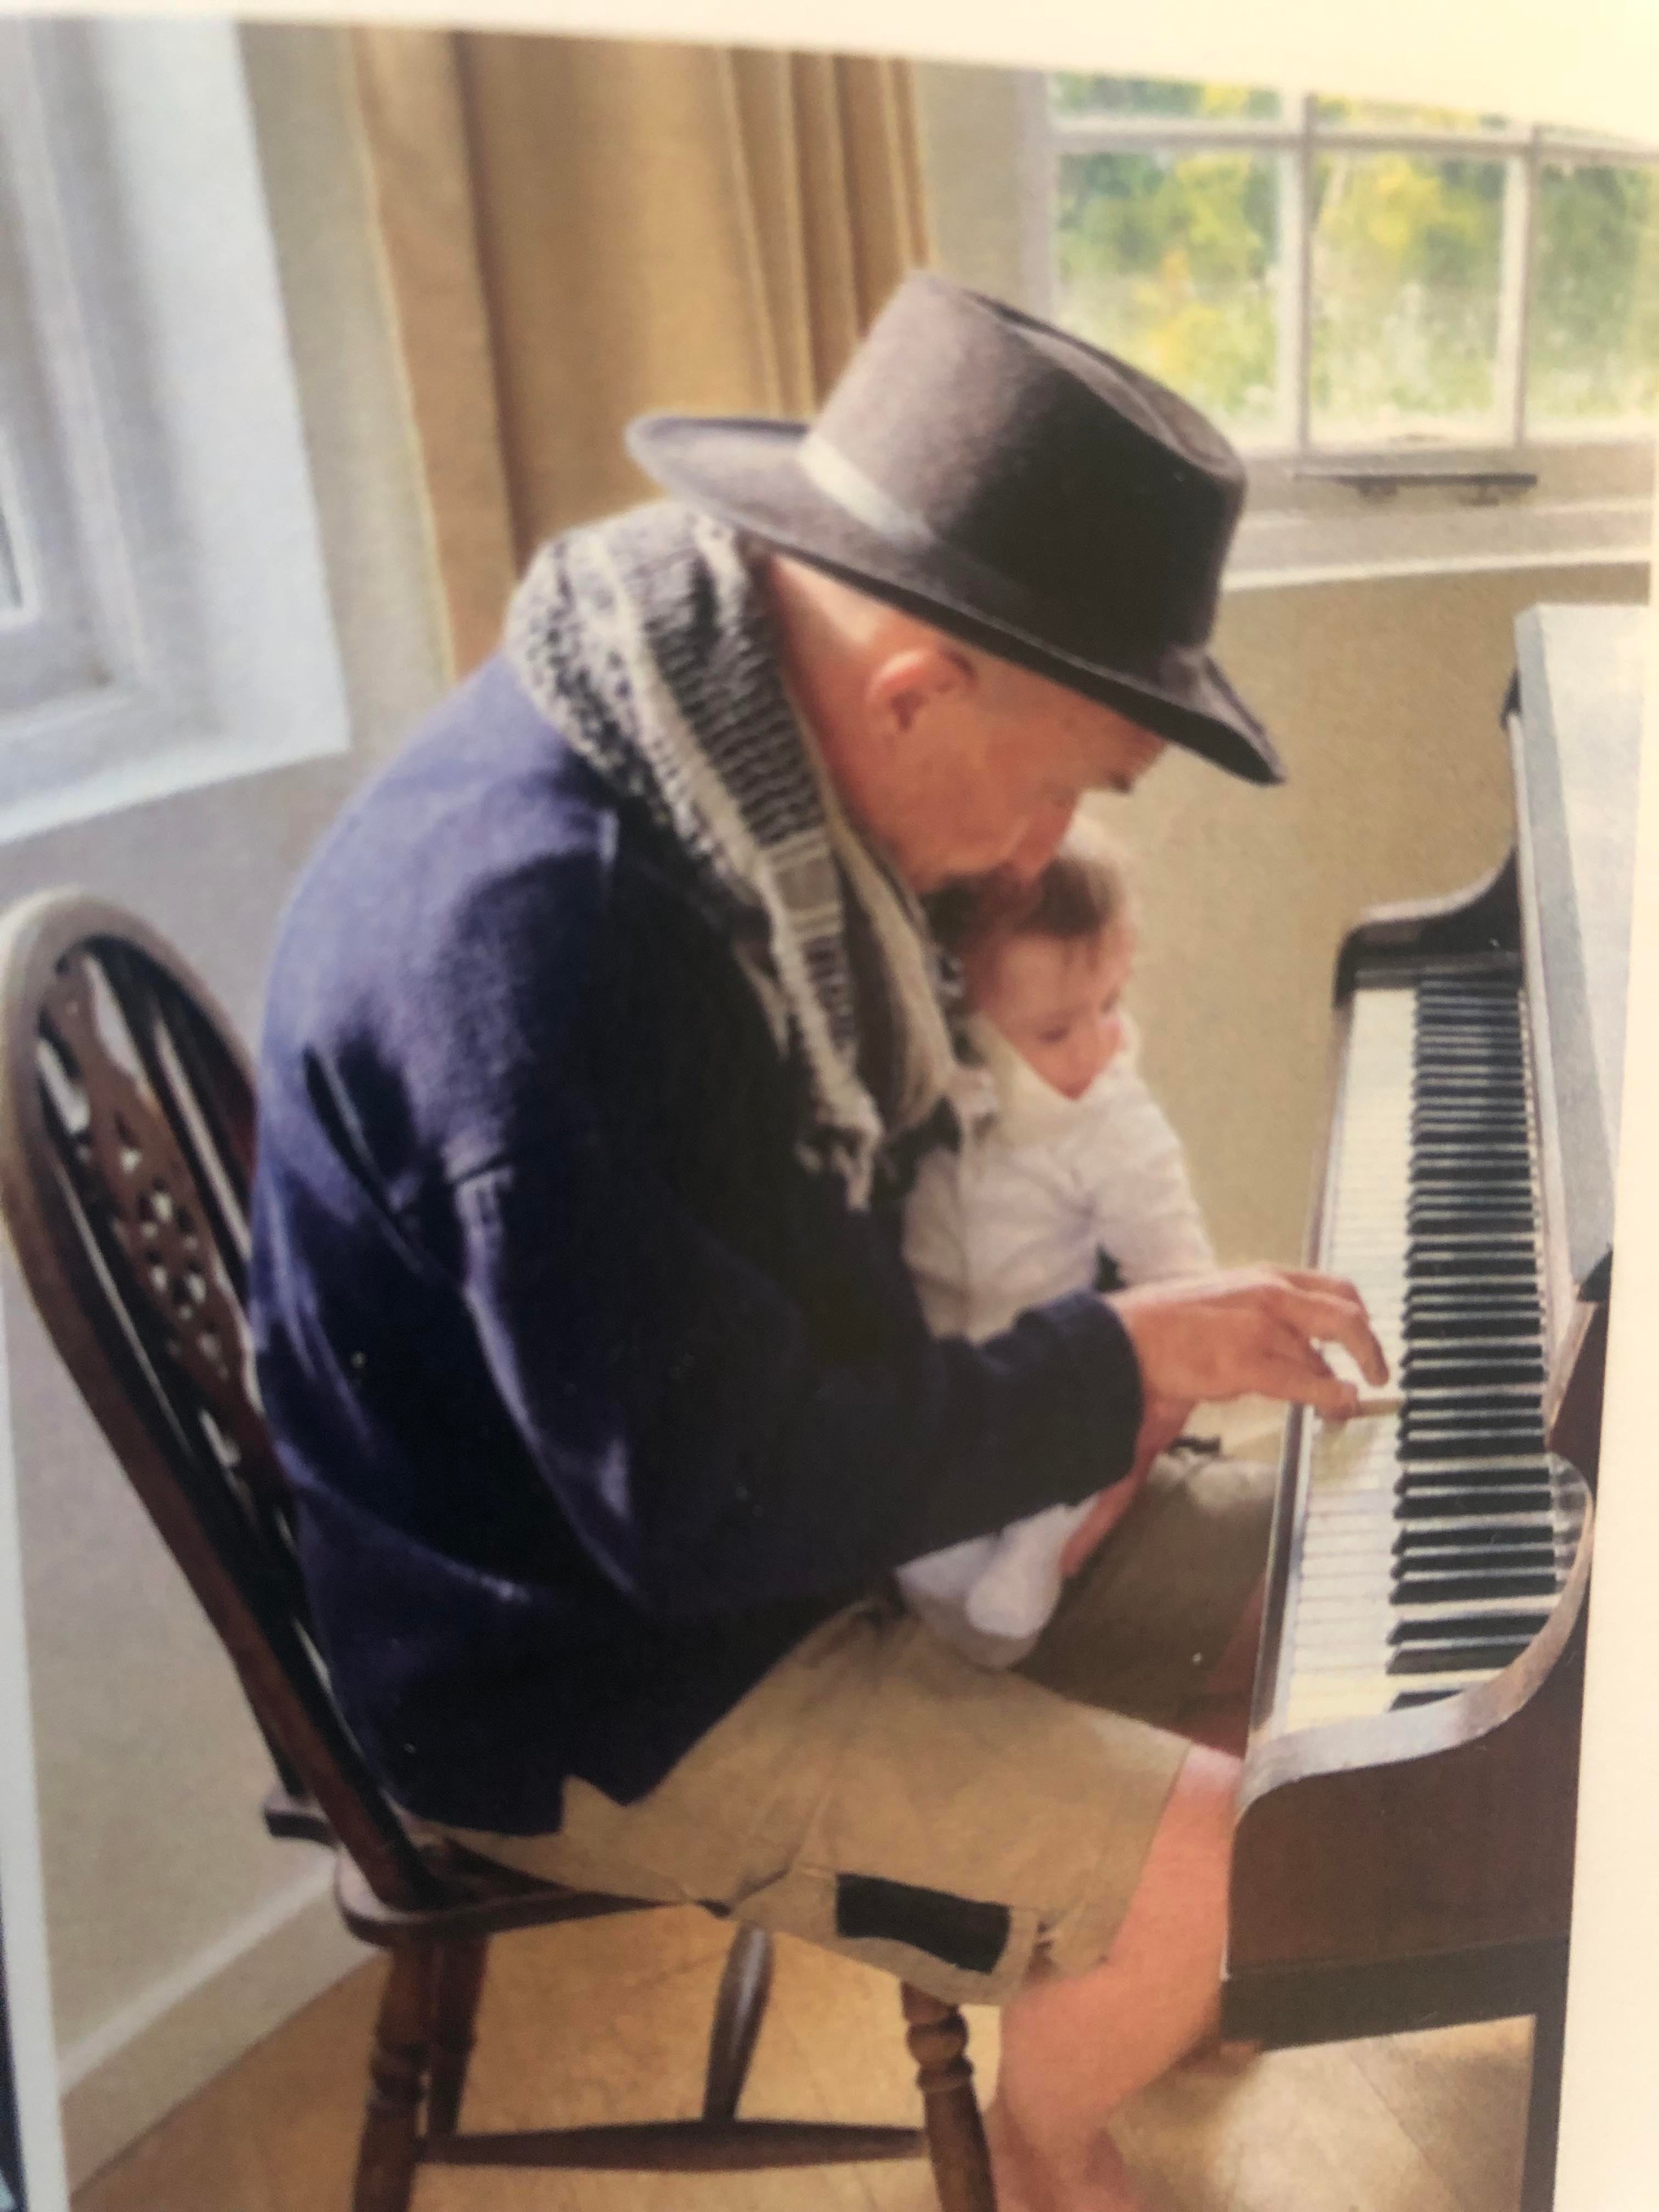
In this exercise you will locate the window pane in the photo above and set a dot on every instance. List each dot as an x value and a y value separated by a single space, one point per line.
1405 255
1393 115
1076 94
1594 349
1172 260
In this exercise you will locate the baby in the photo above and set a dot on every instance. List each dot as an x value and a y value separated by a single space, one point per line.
1066 1163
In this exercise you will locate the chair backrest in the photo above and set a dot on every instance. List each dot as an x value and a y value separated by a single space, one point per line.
126 1156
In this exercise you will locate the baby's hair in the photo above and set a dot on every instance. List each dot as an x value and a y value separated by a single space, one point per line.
1084 891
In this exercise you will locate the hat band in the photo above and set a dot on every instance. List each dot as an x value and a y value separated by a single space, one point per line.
905 531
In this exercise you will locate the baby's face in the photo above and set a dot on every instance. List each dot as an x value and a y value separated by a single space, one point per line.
1057 1002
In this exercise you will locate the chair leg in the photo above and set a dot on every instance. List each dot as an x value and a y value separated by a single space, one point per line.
390 2145
938 2036
457 1979
745 1985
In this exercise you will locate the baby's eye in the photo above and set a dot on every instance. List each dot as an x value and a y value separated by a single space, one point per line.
1054 1036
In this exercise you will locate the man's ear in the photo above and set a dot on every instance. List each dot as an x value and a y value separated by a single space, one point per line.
908 683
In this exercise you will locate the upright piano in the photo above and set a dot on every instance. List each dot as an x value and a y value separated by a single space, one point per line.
1404 1850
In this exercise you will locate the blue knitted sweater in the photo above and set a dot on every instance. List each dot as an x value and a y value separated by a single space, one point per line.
595 1396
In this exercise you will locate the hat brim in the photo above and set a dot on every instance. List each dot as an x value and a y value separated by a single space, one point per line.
745 471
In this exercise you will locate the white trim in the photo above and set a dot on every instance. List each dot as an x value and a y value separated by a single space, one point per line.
1385 570
123 2076
1038 171
22 1902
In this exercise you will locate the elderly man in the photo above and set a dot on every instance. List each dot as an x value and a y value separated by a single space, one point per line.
603 1034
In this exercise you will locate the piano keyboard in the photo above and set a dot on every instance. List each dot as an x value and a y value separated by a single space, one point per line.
1431 1544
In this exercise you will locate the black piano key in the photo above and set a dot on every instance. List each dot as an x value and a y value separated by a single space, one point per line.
1404 1699
1510 1472
1436 1305
1500 1227
1533 1540
1428 1504
1484 1571
1454 1658
1441 1172
1440 1446
1436 1589
1487 1401
1468 1626
1464 1329
1426 1369
1440 1264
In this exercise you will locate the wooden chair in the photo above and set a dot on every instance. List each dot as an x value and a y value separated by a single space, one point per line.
126 1147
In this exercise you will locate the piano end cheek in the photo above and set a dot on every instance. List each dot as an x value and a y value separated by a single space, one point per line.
1572 1397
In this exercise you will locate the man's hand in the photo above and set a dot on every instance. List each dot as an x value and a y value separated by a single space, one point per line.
1253 1329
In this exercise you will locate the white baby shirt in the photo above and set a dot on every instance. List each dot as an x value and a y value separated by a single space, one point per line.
1039 1187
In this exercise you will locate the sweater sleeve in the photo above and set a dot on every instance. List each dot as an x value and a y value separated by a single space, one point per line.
719 1439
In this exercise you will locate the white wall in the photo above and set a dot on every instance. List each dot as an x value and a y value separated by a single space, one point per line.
164 1898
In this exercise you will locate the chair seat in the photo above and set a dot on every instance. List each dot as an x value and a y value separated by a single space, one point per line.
481 1906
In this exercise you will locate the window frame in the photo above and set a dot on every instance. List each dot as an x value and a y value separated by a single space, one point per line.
156 482
1591 497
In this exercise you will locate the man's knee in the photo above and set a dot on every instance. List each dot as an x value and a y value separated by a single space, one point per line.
1178 1913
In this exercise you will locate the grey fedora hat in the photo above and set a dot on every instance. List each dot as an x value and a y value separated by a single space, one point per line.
1013 486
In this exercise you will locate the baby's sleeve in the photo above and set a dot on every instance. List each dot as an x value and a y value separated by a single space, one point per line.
1145 1214
935 1242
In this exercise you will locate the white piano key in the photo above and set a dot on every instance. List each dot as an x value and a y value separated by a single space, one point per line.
1341 1611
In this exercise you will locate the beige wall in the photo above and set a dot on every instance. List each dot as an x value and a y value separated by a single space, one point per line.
1383 697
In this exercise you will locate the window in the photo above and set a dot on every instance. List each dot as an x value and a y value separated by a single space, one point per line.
163 614
1385 306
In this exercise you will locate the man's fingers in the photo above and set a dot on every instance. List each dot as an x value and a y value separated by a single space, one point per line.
1291 1380
1326 1318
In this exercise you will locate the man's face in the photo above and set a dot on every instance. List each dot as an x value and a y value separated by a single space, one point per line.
995 769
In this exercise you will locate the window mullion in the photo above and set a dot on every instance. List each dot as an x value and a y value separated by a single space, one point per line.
1296 318
1041 150
1515 289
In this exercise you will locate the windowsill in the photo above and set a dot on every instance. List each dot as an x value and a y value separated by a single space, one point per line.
186 762
1409 538
1591 503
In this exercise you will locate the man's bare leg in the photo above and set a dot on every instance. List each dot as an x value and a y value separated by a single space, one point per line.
1074 2048
1220 1714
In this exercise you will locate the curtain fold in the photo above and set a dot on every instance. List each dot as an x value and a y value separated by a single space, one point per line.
577 230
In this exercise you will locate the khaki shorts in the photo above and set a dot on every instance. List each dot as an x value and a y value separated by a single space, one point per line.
879 1794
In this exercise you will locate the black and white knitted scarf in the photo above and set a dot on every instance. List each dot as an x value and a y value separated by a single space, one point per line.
645 641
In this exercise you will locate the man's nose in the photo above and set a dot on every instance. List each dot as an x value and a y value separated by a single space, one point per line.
1039 841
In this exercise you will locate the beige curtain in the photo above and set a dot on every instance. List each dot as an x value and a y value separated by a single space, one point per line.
577 230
